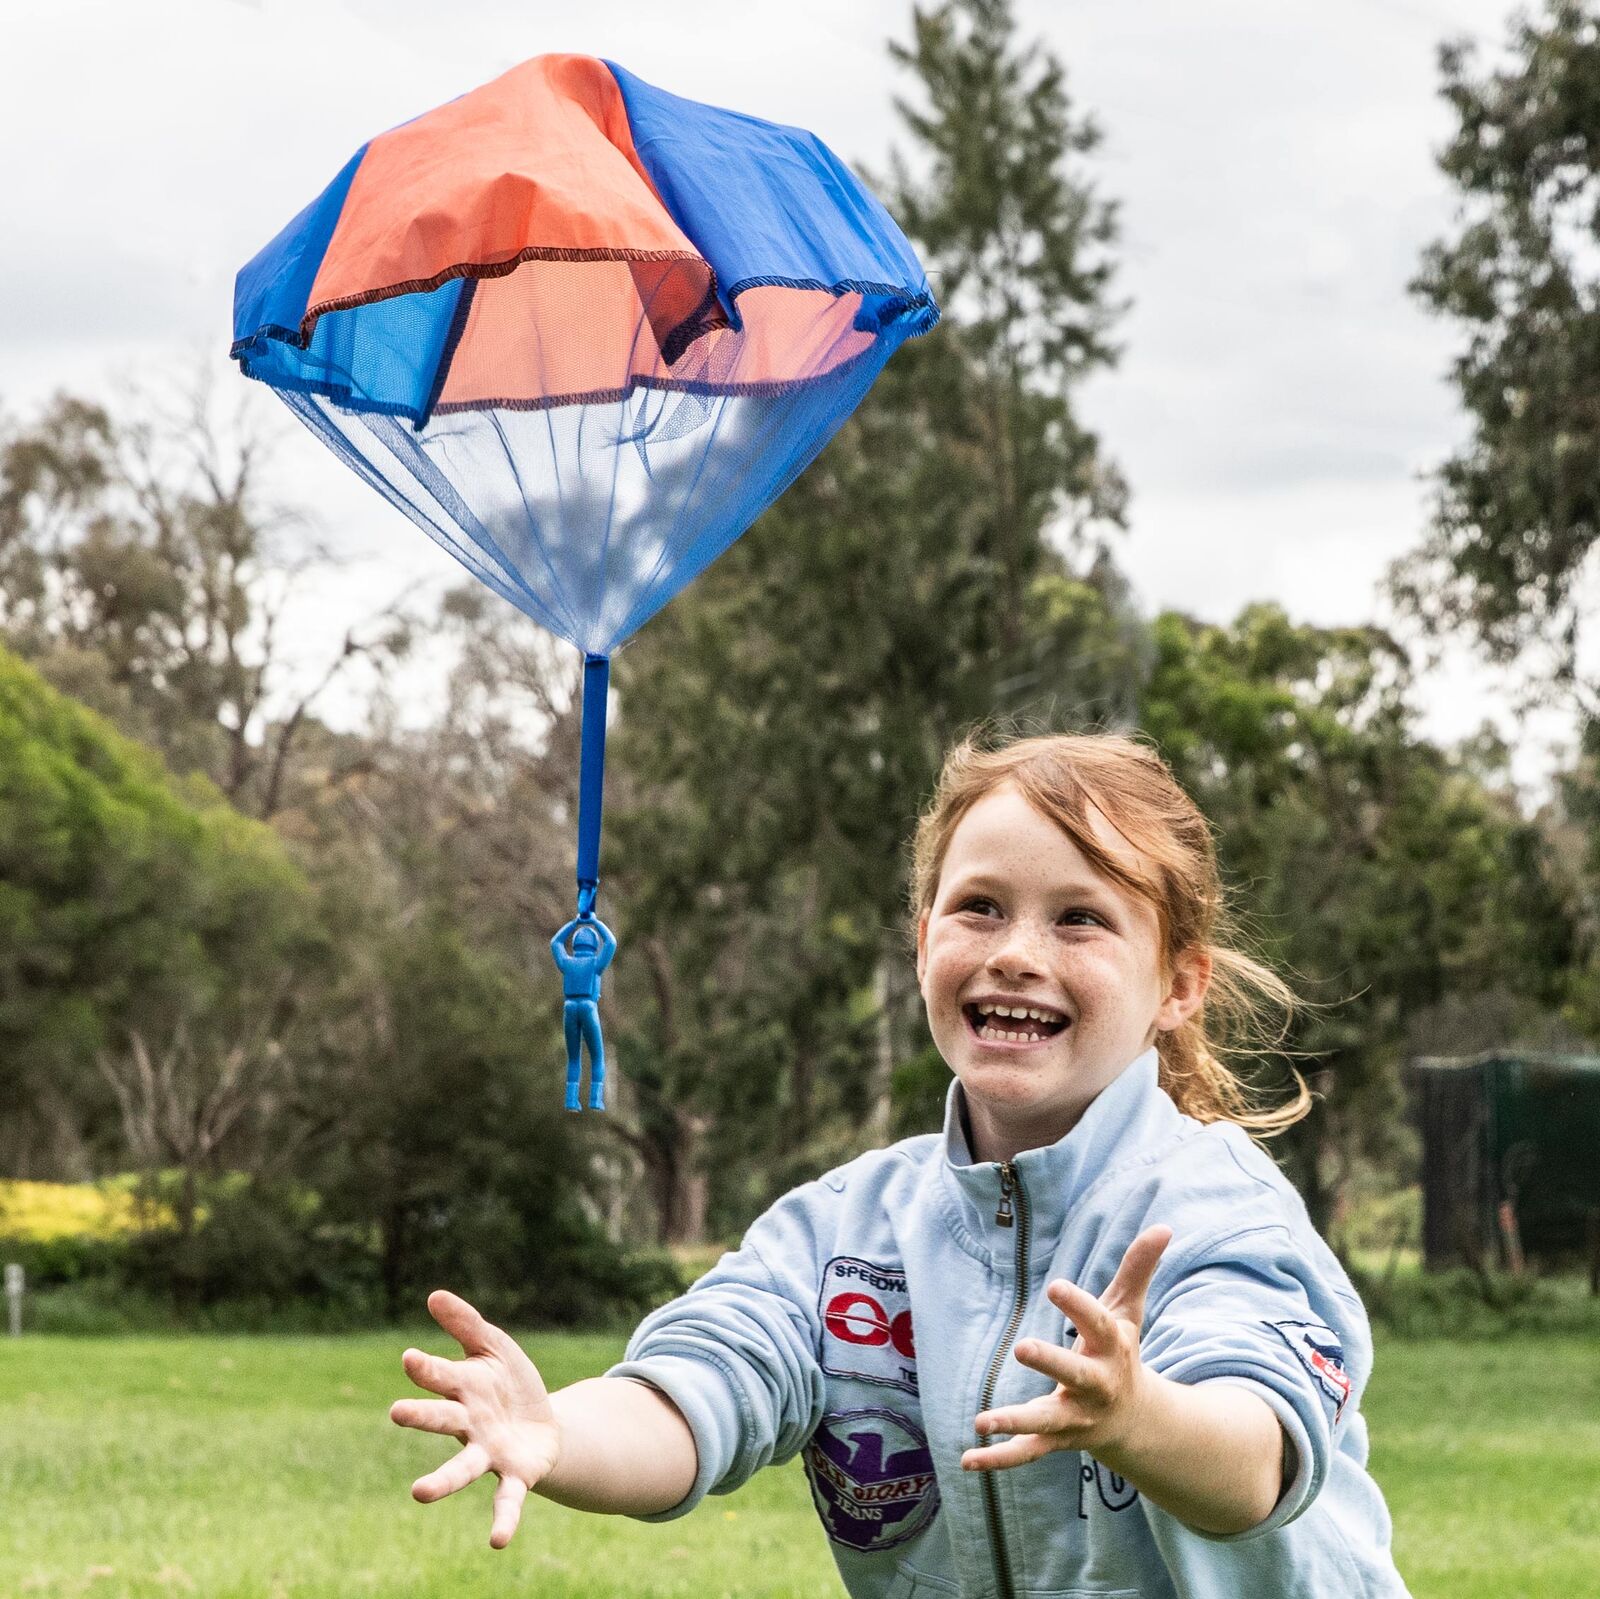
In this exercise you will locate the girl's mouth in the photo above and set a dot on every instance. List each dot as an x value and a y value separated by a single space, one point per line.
1014 1024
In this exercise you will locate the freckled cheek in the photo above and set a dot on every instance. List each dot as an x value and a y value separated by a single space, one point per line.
1103 985
951 962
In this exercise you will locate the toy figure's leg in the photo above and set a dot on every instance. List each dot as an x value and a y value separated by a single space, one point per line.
597 1056
572 1023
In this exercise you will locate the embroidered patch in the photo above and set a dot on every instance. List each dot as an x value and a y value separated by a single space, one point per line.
872 1478
1321 1354
866 1323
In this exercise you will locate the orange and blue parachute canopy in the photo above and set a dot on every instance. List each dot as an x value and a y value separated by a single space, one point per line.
582 332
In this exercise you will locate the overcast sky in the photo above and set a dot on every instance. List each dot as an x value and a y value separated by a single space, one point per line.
1280 392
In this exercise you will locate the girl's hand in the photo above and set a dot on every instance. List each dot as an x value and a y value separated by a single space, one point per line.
1099 1382
495 1404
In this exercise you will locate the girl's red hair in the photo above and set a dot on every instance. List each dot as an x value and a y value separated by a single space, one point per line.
1065 777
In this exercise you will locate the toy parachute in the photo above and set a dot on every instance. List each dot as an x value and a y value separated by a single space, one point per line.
582 332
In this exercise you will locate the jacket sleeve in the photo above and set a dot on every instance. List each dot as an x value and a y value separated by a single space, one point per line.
737 1353
1247 1307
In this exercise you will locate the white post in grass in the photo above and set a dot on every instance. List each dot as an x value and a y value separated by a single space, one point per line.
14 1297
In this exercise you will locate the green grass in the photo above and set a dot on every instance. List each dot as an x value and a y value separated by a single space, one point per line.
267 1468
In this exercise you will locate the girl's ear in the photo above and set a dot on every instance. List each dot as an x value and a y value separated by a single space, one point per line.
1191 977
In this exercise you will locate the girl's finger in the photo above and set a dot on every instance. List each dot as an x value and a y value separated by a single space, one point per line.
1132 1281
508 1499
1096 1325
1074 1371
466 1467
464 1323
429 1371
430 1415
1047 1415
1014 1452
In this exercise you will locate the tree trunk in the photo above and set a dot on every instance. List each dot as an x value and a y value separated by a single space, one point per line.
393 1228
880 1107
678 1187
1305 1148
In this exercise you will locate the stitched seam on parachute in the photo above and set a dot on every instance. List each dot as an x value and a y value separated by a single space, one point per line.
545 402
452 342
301 337
773 390
840 286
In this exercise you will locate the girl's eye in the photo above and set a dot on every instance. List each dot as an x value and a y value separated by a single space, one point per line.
978 905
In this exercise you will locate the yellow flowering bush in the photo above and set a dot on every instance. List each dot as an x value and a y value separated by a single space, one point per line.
103 1211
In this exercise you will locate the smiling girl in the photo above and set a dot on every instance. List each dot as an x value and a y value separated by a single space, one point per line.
1085 1340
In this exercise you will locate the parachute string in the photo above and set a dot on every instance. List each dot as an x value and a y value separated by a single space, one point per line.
556 584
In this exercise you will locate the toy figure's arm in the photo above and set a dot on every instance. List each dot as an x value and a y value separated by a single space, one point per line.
558 944
608 947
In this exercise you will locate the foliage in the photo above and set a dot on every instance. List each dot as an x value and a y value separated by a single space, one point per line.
257 1241
43 1212
144 570
1469 1306
338 1041
1018 243
65 1257
1381 872
1517 513
131 904
450 1156
783 720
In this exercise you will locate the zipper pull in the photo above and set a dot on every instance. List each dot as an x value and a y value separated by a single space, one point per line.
1002 1217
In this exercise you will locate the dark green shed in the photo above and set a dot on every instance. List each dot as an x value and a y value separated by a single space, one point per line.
1510 1159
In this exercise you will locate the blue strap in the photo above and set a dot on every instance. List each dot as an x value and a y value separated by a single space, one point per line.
591 788
591 781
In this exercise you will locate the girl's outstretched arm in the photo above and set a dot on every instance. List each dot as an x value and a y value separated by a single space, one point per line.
1212 1454
605 1444
626 1448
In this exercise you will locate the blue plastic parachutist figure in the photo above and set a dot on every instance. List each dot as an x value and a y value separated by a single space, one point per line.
593 945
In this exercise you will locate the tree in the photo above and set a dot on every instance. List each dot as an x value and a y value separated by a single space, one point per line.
1389 878
1509 556
943 560
144 570
144 924
1017 244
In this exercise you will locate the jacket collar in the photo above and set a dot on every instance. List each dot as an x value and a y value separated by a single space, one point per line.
1131 1115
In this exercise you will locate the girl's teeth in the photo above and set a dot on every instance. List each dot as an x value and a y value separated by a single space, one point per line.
994 1034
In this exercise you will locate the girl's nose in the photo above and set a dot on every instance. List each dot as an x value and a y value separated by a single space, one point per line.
1018 952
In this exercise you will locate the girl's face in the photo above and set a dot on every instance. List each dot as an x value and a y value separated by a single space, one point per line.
1022 922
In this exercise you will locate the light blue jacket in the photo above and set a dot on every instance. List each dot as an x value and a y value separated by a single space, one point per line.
870 1315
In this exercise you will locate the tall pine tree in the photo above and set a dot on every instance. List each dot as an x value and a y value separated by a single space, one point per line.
1509 558
783 720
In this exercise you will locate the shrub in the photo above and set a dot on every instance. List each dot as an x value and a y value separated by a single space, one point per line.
49 1261
257 1242
1464 1304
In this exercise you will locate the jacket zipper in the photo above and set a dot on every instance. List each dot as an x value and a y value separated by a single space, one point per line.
1010 1184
